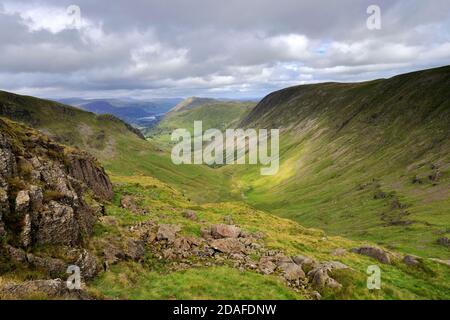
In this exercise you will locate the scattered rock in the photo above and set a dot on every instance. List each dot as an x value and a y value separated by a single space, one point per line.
304 261
112 255
87 264
54 267
320 277
266 265
16 255
292 271
134 250
411 261
281 259
206 233
50 288
127 202
220 231
227 245
339 252
376 253
190 214
316 295
167 232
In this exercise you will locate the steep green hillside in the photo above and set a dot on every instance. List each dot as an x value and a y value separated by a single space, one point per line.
214 114
367 160
119 147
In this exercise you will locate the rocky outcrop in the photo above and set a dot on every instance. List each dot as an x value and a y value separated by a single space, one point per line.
376 253
42 185
84 167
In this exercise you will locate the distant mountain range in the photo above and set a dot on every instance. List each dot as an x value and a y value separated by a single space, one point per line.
141 114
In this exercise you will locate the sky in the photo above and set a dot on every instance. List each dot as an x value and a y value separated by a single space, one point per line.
212 48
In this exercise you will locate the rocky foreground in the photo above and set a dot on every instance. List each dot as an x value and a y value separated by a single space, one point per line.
49 195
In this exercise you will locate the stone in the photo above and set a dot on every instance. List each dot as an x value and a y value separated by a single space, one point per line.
88 265
36 197
54 289
205 233
266 265
411 261
190 214
376 253
54 267
227 245
303 260
339 252
292 271
167 232
319 276
57 225
112 254
220 231
281 259
182 244
22 201
316 295
16 255
134 250
25 235
4 210
49 287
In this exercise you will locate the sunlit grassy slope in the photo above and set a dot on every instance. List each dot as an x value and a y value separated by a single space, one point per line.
369 161
213 113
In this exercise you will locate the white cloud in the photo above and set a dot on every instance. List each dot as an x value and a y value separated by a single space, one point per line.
212 48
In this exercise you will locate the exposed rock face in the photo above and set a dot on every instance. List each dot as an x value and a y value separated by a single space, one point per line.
376 253
84 167
42 186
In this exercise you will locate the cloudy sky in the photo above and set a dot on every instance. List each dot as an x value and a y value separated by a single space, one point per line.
233 48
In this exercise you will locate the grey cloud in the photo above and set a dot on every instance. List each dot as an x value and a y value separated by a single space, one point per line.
205 47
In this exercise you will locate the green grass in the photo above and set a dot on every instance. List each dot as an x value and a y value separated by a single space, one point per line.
127 281
214 115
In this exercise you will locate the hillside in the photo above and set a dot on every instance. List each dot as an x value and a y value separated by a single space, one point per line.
366 160
214 114
120 148
149 241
